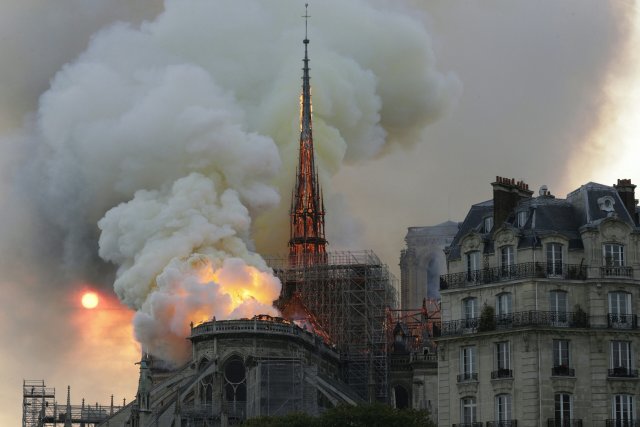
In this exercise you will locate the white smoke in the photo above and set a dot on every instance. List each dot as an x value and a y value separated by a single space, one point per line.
186 122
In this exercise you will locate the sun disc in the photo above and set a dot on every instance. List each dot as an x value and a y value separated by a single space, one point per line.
90 300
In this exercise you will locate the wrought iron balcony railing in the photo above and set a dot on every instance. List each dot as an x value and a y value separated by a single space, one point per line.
563 371
467 377
563 422
509 423
501 373
618 271
578 319
623 372
474 424
622 321
526 270
622 423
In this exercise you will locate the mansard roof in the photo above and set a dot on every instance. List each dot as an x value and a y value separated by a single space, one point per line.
547 216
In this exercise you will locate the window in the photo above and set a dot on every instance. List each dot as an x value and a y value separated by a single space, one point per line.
558 306
502 360
468 410
620 314
503 407
620 359
488 224
561 363
235 384
563 410
468 364
613 255
503 306
522 218
473 266
554 259
470 312
623 411
507 260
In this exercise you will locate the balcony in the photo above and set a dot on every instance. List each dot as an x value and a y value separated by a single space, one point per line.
526 270
623 372
620 271
468 377
510 423
501 373
578 319
622 423
552 422
622 321
563 371
475 424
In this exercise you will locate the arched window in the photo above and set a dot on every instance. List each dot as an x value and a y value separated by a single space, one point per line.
468 410
623 411
503 408
235 386
206 389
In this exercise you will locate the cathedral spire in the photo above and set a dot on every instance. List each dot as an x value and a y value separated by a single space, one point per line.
307 244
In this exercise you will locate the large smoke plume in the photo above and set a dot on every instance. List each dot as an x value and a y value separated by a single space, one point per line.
186 122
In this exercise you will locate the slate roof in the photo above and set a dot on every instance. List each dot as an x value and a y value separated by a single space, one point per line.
547 215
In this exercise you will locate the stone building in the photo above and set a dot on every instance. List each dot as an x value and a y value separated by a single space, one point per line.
239 369
539 310
423 261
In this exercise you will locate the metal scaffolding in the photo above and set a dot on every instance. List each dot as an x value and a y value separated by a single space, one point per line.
40 409
348 293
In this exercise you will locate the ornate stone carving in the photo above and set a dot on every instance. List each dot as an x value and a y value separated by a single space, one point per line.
614 231
472 243
505 238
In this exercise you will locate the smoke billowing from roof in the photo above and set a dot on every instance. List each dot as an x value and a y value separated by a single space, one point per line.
172 138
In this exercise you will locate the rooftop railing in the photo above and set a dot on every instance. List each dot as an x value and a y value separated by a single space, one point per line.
526 270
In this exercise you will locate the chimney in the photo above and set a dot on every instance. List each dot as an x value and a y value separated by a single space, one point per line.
626 191
506 195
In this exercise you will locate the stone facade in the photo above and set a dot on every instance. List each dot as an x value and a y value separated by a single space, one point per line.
423 261
539 323
240 369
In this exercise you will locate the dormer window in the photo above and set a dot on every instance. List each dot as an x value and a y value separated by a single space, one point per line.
488 224
522 218
605 203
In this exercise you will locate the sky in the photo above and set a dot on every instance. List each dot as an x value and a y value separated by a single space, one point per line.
131 129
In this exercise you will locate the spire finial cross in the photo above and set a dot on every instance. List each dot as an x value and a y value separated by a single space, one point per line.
306 17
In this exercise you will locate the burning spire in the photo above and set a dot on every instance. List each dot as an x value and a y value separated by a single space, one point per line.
307 244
